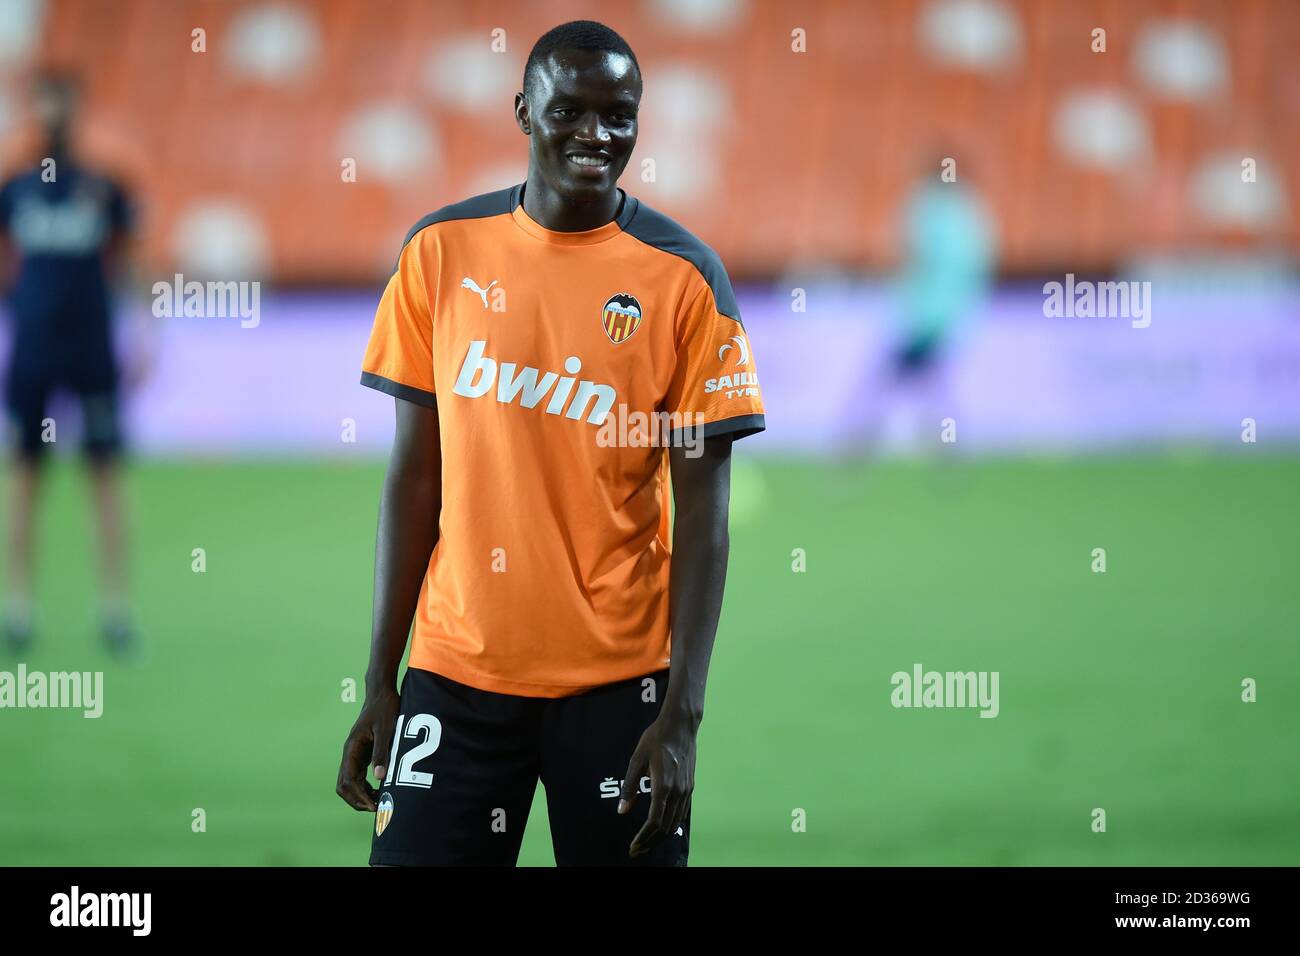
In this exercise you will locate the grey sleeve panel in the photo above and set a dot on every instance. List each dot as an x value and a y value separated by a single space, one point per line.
396 389
738 427
499 203
655 229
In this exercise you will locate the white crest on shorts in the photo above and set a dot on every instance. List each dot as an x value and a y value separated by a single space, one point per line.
384 814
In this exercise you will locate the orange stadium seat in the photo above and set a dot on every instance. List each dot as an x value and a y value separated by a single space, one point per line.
813 152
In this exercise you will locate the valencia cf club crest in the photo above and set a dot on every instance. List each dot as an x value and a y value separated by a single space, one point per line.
622 317
384 813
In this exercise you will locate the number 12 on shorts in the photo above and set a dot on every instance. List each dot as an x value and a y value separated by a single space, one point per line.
424 726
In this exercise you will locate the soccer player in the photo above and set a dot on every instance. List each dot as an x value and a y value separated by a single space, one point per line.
949 246
529 337
63 229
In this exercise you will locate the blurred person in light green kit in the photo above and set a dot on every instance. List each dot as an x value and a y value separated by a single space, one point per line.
948 247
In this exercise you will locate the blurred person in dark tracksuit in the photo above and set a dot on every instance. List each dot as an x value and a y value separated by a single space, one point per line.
64 228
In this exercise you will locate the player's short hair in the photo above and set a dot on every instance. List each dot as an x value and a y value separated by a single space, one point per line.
574 35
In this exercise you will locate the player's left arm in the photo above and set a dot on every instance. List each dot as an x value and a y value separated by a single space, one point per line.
120 256
713 400
701 487
118 252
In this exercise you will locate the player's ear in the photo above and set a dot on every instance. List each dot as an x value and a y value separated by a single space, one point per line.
521 114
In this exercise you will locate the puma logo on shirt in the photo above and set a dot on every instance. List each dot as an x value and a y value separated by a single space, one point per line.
468 283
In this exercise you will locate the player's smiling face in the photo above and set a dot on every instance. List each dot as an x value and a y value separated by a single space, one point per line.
582 120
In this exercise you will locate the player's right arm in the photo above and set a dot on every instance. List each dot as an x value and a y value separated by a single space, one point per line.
8 252
399 362
408 531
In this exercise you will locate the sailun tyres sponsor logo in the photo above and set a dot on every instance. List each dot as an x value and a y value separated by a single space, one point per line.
736 342
734 354
527 386
621 316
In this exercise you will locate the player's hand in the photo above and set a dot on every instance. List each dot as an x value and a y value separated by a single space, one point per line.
667 752
367 745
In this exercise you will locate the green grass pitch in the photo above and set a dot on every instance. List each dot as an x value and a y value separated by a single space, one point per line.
1119 690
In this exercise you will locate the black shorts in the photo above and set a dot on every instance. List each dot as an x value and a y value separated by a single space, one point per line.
87 370
916 355
459 790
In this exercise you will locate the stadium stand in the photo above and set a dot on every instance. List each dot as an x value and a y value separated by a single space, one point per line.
1087 157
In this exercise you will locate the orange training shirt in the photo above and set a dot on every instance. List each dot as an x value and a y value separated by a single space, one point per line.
558 363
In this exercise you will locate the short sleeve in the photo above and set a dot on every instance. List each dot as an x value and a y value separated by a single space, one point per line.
6 204
121 214
715 381
399 356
